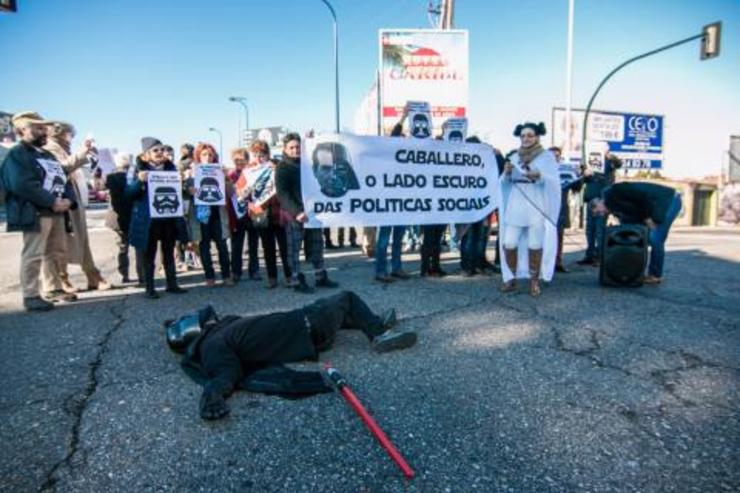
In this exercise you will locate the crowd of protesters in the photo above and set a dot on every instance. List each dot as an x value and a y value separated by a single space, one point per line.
532 218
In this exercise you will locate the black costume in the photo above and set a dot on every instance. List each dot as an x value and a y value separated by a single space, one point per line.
230 351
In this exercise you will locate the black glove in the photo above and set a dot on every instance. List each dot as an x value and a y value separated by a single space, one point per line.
213 405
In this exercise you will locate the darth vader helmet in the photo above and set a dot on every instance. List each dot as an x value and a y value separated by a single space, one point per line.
183 331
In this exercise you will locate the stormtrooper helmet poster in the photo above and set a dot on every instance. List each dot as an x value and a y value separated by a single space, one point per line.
55 178
210 188
165 194
420 119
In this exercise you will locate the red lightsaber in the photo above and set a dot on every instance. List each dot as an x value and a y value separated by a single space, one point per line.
371 424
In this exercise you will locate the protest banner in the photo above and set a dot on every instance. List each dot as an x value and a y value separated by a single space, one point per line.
352 180
55 178
165 194
455 129
423 65
210 187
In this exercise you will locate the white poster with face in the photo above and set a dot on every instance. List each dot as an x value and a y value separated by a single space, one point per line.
419 119
210 187
165 194
352 180
455 130
55 178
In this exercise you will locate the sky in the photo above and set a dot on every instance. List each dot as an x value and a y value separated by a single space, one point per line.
122 70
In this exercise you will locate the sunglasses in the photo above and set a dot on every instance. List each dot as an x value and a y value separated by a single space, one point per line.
157 149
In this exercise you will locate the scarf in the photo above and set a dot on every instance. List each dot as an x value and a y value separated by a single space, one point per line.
528 154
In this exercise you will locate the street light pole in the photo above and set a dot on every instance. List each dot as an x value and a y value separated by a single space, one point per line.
220 142
620 67
336 64
242 101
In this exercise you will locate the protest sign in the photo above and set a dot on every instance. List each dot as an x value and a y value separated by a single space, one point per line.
455 129
55 179
165 194
352 180
260 181
106 162
210 187
420 119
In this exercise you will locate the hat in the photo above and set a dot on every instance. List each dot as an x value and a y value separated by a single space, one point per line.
27 118
149 142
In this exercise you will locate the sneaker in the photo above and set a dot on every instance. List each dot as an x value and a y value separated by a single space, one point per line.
60 295
401 275
587 261
390 319
325 282
653 280
302 287
391 340
37 304
152 295
176 290
384 278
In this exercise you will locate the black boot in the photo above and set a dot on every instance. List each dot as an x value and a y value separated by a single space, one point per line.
323 281
171 273
302 287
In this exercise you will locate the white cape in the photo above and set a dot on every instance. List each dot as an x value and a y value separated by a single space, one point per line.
547 166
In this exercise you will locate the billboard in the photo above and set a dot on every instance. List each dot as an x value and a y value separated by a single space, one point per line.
7 136
272 135
635 138
423 65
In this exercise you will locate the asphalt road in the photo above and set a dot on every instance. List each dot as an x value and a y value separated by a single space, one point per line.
585 389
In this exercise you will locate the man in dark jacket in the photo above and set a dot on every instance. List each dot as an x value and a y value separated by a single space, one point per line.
120 219
227 350
288 186
33 205
596 182
643 203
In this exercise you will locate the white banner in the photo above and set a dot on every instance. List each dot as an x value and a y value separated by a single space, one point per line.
351 180
208 181
423 65
165 194
55 178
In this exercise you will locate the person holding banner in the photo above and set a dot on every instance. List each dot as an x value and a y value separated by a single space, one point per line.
209 223
530 188
241 223
32 205
147 232
288 187
59 144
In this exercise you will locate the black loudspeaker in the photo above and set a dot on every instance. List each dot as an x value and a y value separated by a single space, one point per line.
624 254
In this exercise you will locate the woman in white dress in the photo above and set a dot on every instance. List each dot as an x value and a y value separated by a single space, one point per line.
530 188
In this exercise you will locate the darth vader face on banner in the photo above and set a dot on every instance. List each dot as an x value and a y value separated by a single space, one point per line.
420 127
209 190
332 169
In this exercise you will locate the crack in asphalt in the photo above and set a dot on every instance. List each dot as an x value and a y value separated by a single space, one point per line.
76 404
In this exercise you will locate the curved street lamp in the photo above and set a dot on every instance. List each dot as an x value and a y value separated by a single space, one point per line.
220 142
336 64
242 101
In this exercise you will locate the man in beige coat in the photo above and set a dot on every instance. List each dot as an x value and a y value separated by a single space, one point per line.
78 243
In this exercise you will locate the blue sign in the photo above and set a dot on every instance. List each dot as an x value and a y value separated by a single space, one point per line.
637 139
642 145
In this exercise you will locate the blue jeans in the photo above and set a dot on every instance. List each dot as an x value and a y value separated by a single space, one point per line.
594 234
658 237
381 249
470 253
